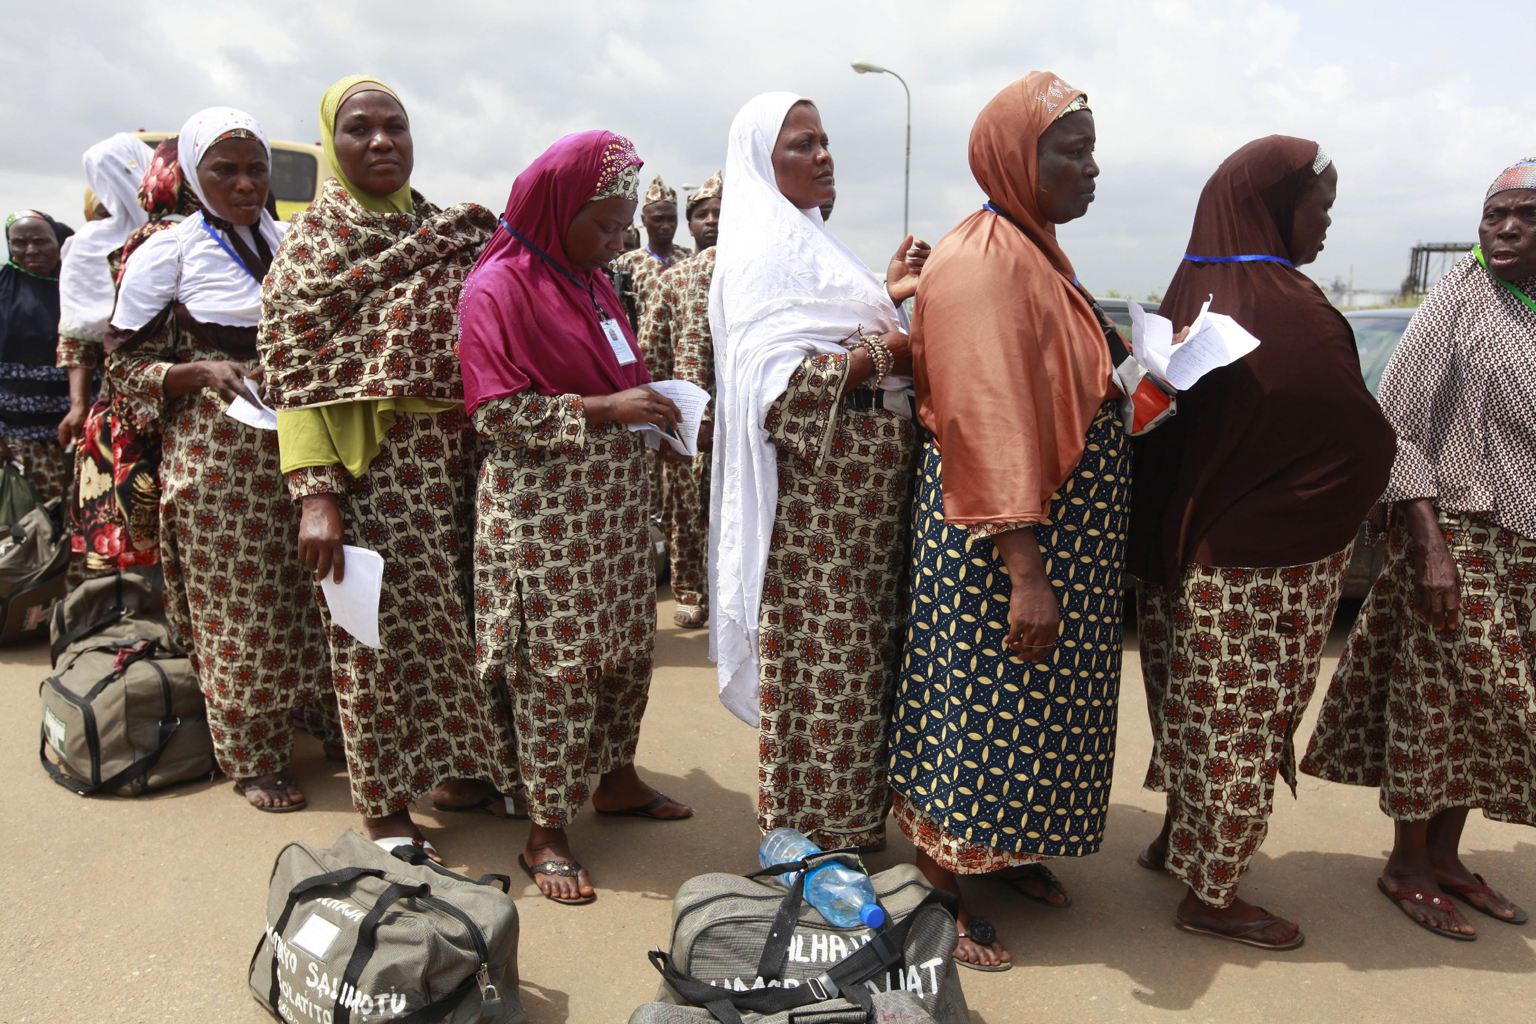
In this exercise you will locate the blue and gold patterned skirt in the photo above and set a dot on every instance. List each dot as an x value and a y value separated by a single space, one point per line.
997 757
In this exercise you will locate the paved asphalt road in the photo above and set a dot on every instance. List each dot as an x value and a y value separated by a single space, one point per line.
147 910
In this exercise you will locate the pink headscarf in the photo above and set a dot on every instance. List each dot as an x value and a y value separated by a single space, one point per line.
523 323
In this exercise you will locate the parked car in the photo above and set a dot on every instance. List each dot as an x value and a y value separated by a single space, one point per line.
1377 332
297 172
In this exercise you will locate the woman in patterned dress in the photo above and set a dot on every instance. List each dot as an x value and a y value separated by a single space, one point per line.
1245 507
1003 730
564 583
357 339
811 480
1434 700
181 347
33 392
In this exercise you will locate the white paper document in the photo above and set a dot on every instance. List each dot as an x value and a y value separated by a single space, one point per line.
691 400
1214 340
252 411
354 602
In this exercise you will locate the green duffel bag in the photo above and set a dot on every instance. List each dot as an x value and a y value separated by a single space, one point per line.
34 558
746 951
356 933
17 495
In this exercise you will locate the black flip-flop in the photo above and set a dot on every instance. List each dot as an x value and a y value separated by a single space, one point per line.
1244 934
981 928
496 804
1046 877
558 868
647 810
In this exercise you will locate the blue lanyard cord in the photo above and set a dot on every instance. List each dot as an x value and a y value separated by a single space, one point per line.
232 254
658 259
602 314
1256 258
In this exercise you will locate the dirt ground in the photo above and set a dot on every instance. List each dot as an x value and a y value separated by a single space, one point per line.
148 910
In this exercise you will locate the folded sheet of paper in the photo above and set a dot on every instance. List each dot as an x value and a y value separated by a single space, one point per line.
252 411
691 400
354 602
1214 340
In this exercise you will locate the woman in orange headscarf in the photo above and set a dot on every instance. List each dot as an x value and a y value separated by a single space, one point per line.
1002 736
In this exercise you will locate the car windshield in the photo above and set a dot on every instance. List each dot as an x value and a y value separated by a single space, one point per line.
1377 338
293 175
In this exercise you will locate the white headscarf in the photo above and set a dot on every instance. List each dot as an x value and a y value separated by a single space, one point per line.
113 168
188 264
784 289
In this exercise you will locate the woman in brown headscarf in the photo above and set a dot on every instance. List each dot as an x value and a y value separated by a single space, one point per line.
1246 506
1003 731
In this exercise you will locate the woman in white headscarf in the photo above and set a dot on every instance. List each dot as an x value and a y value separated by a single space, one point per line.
813 458
113 169
182 346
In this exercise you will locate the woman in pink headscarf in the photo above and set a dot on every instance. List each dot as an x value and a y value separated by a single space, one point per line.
564 584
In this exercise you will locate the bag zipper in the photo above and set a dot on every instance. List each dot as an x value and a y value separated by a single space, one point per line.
773 898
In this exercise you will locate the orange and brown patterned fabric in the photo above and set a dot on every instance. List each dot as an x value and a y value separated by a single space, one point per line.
368 302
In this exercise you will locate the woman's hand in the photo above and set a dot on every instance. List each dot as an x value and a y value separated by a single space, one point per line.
320 529
223 376
1034 615
900 347
1436 584
637 405
72 426
906 266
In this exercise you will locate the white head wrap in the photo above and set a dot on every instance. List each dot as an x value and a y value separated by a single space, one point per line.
188 263
783 289
113 168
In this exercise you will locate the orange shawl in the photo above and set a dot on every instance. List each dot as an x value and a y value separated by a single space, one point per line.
1009 361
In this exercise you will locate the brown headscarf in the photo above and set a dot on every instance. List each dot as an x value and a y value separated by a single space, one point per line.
1008 358
1276 459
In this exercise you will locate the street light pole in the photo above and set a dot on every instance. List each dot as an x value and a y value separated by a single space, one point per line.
864 68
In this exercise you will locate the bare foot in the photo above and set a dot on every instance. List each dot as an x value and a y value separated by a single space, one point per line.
1436 911
272 793
1241 921
551 845
1459 880
970 949
623 790
1037 882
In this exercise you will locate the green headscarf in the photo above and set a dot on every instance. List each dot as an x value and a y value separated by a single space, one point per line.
397 202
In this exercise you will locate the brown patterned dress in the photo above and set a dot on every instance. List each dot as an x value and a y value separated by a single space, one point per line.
237 597
829 630
685 295
1230 659
358 307
564 592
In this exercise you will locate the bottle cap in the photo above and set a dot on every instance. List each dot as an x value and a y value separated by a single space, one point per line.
873 915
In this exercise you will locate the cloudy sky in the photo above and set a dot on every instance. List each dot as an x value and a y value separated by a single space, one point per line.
1420 104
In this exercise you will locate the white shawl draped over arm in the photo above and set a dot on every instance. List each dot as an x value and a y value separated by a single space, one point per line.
784 289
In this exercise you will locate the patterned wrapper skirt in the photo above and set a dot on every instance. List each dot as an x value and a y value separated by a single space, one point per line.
565 608
1230 658
44 463
996 761
1440 720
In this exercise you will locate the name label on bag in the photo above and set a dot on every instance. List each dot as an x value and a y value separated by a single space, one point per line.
53 728
315 936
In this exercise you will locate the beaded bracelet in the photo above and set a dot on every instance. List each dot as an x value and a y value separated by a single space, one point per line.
880 355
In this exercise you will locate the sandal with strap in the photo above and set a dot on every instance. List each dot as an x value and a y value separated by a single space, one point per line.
647 810
497 804
276 786
1044 876
556 868
1422 898
1247 934
1467 894
689 616
983 934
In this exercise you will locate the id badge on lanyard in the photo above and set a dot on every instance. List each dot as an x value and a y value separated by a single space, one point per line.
616 340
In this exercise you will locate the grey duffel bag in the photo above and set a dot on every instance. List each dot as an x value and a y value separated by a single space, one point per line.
746 951
122 712
34 561
356 934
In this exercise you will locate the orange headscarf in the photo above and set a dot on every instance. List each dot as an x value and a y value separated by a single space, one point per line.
1009 361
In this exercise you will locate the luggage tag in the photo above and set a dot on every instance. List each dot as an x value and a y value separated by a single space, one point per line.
616 341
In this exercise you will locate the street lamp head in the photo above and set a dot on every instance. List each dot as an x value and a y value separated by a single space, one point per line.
863 67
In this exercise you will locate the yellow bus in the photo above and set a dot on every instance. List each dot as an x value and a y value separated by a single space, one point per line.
298 169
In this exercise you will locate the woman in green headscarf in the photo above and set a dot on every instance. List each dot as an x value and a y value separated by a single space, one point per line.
357 340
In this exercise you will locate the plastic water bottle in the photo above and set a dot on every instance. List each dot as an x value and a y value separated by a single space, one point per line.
844 896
